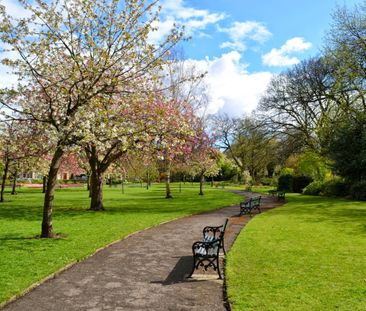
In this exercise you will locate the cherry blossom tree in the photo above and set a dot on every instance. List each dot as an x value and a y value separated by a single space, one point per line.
71 164
21 142
176 128
72 55
203 157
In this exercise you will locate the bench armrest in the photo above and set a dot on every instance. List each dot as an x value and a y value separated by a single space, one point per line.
206 249
212 229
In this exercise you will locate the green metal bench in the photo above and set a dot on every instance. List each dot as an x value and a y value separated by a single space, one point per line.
206 252
211 233
248 206
281 195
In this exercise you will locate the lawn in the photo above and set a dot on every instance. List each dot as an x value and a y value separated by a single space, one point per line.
309 254
25 259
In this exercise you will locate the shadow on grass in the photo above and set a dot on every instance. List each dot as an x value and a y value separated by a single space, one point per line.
63 208
21 243
328 210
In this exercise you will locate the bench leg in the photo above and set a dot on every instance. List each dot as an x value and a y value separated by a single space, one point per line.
223 246
218 267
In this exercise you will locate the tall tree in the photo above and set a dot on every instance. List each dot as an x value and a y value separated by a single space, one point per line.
302 101
246 141
345 52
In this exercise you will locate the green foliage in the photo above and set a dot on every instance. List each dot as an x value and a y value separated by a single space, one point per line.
285 183
228 171
299 182
312 164
287 171
26 259
308 255
347 148
266 181
314 188
293 183
358 190
335 188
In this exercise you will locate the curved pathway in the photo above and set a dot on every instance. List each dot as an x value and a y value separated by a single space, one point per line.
146 271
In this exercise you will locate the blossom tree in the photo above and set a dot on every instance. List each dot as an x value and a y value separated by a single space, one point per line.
71 164
176 129
71 54
20 143
128 126
203 157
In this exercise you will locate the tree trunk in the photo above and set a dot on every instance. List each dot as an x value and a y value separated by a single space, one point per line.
44 184
6 168
90 185
96 203
47 229
87 182
147 180
167 183
202 179
13 190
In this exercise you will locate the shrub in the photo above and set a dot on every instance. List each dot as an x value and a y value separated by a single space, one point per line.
335 188
37 181
300 182
313 188
358 190
266 181
285 183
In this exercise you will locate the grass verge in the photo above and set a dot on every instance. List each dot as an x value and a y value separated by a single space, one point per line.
25 259
306 255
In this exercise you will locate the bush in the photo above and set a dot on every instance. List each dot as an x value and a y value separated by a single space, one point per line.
300 182
314 188
358 190
266 181
335 188
37 181
285 183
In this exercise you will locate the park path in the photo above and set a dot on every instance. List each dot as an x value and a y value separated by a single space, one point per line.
146 271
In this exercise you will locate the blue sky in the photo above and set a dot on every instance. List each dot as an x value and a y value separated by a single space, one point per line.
241 44
284 19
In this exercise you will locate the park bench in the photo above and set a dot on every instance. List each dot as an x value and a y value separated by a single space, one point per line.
281 195
249 205
211 233
206 252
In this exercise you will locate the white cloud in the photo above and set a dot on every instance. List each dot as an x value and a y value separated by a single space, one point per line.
232 89
240 32
176 12
281 57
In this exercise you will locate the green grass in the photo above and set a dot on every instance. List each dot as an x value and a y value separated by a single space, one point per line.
25 259
309 254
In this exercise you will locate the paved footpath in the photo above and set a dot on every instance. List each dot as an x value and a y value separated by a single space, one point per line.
146 271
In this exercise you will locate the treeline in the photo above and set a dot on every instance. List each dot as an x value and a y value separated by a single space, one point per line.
311 119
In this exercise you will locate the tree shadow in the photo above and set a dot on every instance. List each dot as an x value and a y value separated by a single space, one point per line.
328 210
